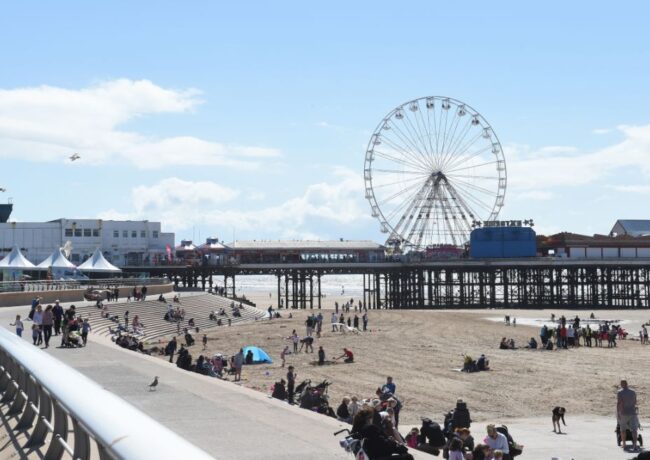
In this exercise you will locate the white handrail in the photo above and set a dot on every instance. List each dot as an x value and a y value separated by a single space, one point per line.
117 427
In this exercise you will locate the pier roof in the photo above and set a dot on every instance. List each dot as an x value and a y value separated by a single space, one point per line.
299 245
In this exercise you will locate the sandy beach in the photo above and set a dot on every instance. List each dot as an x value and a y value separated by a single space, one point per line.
422 350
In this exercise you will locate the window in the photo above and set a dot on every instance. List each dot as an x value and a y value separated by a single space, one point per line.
134 233
116 233
155 233
125 233
87 232
143 233
68 232
77 232
95 232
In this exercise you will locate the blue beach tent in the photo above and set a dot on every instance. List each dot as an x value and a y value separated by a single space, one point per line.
259 355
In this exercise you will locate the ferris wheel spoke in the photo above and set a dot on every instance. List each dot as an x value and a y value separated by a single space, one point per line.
446 131
405 147
465 159
473 177
473 166
423 135
475 187
409 205
427 139
435 134
407 138
405 190
400 182
455 142
450 139
400 171
470 197
459 152
396 159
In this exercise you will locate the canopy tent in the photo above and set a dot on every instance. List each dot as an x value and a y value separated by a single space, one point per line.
97 263
16 260
259 355
57 260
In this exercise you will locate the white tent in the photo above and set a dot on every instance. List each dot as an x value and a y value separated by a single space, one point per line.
97 263
56 260
16 260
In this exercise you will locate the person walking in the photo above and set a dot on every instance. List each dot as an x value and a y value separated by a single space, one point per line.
19 326
626 414
239 363
291 384
57 311
365 320
171 348
38 322
284 353
47 321
85 329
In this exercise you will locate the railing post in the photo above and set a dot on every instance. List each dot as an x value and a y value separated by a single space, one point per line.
45 414
55 451
81 441
29 414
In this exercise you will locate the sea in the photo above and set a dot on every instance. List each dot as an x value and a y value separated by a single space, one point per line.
331 285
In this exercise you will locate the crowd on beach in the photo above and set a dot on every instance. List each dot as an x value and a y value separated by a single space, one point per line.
569 334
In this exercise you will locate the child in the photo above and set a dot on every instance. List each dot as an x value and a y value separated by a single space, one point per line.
412 438
205 341
85 328
456 449
496 455
19 326
284 354
35 333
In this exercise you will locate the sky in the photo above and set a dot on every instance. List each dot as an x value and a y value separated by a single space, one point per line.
250 120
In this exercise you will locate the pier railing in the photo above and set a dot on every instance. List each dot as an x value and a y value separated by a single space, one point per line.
64 413
60 285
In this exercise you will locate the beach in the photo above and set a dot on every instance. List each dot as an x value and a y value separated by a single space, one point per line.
423 351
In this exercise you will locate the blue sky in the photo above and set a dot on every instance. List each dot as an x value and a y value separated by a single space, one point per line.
253 119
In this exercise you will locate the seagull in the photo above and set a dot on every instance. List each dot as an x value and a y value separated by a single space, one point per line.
2 189
74 156
154 384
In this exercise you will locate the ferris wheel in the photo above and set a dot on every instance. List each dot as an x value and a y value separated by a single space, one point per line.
434 168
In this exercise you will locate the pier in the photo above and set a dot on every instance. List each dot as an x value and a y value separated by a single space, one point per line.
463 283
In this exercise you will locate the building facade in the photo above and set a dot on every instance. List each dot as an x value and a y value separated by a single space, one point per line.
121 242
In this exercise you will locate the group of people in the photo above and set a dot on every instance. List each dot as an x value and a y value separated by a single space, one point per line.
72 328
338 321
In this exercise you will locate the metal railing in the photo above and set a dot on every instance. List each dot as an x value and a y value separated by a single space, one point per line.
45 396
60 285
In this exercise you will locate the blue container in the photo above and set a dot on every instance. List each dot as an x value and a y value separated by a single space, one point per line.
502 242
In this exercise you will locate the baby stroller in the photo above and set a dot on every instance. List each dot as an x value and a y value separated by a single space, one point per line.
515 449
628 436
312 396
353 445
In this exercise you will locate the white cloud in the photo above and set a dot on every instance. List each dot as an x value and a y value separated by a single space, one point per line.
640 189
47 123
535 195
529 169
181 204
601 131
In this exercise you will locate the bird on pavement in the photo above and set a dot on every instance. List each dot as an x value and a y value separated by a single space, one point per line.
154 384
